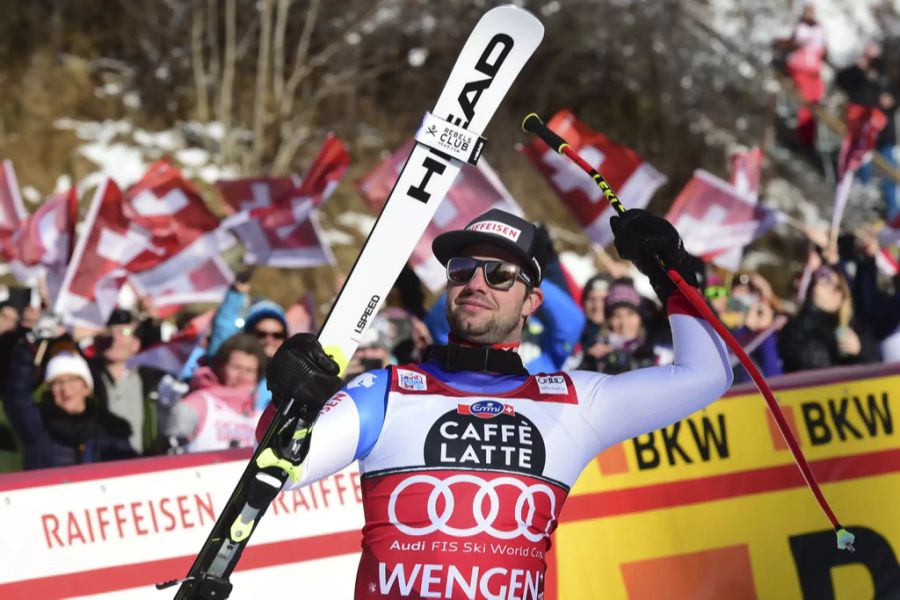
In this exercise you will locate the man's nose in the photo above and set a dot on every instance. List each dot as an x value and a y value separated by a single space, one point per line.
478 282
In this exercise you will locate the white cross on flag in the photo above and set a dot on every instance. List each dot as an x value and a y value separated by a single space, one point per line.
746 170
42 245
713 217
634 180
274 217
475 191
159 234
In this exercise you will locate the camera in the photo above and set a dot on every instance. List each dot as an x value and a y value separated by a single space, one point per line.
48 326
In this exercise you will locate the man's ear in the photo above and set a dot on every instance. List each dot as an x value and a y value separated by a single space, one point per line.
533 300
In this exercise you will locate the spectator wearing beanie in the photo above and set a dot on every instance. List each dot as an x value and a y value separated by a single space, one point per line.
67 426
266 321
625 345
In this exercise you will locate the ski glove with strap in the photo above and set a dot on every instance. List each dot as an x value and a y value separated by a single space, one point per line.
301 370
642 237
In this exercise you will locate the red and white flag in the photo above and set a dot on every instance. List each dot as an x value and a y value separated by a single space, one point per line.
159 234
713 217
475 191
274 217
170 356
746 170
42 245
12 211
863 125
634 179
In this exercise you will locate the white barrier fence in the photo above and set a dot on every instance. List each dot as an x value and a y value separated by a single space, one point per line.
115 529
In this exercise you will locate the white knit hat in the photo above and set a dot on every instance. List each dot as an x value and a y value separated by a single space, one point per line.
66 363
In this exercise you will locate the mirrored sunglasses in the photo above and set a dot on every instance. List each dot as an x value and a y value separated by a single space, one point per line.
498 274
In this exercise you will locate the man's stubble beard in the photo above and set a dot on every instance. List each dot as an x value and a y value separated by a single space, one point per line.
495 330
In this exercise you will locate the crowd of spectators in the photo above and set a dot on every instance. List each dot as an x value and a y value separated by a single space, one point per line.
71 401
865 82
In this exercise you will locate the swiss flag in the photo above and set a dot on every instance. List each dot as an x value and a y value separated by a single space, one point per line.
474 191
746 170
170 356
634 180
160 234
713 217
274 218
42 245
863 125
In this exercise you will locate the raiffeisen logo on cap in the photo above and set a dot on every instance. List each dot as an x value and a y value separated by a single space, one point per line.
496 227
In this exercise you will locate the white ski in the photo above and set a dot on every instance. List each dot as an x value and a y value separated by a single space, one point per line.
502 41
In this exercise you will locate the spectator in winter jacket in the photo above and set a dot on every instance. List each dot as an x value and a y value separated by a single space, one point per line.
129 393
807 52
758 323
868 84
67 426
877 306
824 333
221 411
626 344
264 319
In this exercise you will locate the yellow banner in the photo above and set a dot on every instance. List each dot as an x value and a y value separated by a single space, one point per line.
714 506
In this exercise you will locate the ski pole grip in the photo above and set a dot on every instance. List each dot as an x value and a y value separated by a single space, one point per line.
534 124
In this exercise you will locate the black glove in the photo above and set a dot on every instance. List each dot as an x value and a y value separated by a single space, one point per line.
641 238
301 370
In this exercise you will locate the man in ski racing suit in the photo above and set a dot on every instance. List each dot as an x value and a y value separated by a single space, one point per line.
465 458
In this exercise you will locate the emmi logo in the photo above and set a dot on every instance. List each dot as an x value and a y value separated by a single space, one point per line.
684 442
847 418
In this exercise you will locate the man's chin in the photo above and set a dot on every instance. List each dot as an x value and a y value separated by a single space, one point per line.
470 328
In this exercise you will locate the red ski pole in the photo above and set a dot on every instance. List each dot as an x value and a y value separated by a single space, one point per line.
845 539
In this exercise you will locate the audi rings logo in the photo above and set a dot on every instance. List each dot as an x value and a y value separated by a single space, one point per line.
529 504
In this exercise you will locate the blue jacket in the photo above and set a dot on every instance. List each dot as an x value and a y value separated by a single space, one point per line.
553 332
224 326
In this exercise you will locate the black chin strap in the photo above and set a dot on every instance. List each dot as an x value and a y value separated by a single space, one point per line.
454 357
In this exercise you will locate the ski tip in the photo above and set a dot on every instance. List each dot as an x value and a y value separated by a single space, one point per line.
531 123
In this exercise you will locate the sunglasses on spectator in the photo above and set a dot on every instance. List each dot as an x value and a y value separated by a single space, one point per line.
262 334
716 291
498 274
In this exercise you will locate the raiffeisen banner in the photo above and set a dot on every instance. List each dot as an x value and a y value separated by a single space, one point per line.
112 527
712 507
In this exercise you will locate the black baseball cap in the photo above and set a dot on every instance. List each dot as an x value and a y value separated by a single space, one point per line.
496 227
120 316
